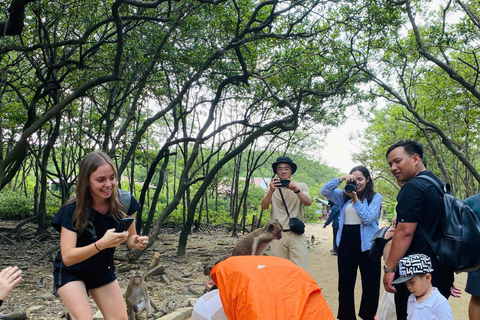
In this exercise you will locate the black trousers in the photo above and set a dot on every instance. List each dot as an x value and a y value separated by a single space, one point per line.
350 258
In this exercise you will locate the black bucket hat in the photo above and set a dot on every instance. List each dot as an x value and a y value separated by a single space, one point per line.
284 159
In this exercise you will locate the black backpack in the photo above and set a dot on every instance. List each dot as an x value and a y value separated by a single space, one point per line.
459 245
125 199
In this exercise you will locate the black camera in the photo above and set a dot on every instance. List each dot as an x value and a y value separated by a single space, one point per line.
351 186
282 183
285 183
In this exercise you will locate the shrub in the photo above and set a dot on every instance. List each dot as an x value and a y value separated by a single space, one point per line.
14 205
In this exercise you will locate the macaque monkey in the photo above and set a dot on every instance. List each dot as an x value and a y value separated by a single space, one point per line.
206 272
210 285
196 225
206 269
155 260
312 239
255 242
137 298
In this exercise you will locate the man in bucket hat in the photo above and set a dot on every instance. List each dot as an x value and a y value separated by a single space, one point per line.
291 246
425 301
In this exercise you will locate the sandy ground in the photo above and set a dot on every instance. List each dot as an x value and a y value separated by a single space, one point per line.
186 273
323 268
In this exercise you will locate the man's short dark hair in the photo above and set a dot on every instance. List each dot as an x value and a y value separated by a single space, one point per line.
411 148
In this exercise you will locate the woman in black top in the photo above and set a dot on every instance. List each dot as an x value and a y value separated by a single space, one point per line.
87 241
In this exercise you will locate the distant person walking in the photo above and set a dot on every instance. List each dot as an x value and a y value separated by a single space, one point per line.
359 216
333 218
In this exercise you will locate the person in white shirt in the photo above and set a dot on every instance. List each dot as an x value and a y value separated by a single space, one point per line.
425 301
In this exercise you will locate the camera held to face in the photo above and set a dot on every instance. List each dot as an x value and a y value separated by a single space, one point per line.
351 186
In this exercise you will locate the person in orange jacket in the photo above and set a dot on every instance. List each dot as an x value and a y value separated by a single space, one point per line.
268 287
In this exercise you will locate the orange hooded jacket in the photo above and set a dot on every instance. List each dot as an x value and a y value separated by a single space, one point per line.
265 287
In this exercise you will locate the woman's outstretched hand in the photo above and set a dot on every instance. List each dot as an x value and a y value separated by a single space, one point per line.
9 278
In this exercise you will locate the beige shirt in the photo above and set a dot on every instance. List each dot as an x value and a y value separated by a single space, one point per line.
295 207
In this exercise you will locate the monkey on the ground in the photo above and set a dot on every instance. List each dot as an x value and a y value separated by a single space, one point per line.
155 260
137 298
196 225
207 268
206 272
255 242
210 285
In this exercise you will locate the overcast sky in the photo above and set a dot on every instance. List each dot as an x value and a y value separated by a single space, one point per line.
338 150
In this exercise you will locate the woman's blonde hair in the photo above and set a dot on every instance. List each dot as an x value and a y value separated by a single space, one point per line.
83 198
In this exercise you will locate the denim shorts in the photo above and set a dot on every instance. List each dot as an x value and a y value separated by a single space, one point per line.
92 280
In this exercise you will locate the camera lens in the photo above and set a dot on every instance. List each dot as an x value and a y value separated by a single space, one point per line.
351 186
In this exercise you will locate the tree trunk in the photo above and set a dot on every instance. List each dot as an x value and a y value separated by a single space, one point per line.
153 207
182 244
42 209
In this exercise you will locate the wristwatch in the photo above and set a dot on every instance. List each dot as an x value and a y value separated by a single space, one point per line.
298 191
386 269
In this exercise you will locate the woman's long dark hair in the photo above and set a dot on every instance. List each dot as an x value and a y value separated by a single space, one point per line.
368 192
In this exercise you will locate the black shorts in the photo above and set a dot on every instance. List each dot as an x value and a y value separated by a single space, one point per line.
91 280
473 283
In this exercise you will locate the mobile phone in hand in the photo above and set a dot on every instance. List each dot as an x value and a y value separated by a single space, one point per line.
124 224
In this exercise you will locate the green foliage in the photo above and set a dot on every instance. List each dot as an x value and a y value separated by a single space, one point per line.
304 66
15 206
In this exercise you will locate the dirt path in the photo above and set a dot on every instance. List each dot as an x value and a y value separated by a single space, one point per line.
186 273
323 268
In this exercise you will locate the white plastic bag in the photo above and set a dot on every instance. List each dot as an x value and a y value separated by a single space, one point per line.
386 307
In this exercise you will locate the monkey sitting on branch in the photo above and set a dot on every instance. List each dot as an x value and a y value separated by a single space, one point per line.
137 298
255 242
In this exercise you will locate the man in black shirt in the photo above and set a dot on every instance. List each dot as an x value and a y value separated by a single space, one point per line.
419 203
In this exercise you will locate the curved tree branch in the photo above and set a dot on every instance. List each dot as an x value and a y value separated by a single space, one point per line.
15 22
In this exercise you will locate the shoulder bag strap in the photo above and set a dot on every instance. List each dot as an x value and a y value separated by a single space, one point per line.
284 204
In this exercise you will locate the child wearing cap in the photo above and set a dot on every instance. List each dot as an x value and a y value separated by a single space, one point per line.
425 302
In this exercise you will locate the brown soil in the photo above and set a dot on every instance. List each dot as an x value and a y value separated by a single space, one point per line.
186 273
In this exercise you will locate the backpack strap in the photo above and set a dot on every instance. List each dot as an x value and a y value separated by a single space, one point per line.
420 227
435 183
429 239
125 199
